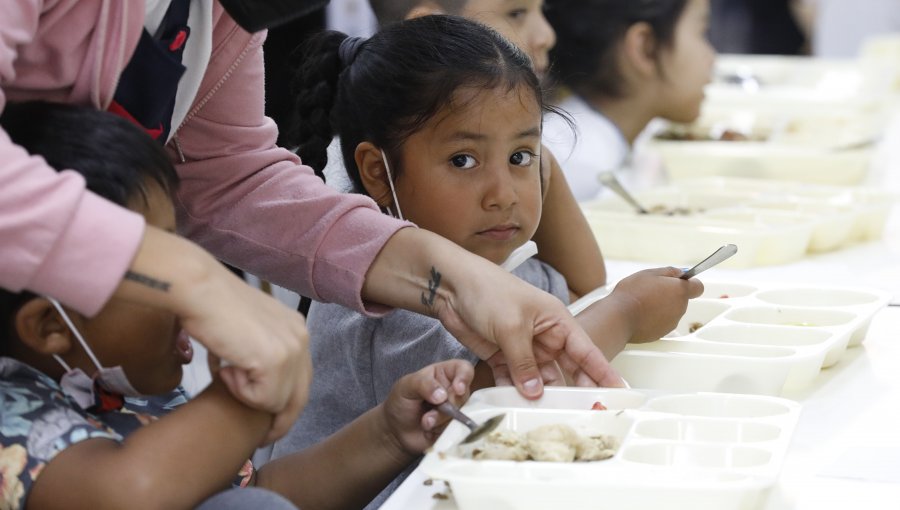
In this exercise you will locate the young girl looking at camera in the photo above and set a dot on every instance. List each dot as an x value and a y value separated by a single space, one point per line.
440 123
621 64
563 236
92 413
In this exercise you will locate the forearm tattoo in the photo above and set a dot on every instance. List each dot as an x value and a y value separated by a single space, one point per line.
433 285
148 281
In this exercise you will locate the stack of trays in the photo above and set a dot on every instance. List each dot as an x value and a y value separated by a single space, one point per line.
832 148
758 339
770 222
799 83
695 450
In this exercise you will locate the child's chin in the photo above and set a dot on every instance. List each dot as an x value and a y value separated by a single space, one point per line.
170 385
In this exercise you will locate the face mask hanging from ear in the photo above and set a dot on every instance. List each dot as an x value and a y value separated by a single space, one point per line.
256 15
77 384
387 167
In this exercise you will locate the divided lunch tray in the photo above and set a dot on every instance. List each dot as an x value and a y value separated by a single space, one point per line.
770 222
754 338
823 148
694 450
795 83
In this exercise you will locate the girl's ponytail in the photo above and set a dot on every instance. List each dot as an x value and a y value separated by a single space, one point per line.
315 88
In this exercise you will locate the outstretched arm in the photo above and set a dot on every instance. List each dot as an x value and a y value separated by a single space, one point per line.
486 309
564 238
643 307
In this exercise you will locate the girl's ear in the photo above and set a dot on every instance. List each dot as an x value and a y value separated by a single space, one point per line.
373 174
424 9
639 50
41 328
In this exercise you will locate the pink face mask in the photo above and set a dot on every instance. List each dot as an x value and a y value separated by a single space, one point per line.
78 385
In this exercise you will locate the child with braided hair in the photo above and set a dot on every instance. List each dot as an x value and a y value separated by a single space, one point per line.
440 120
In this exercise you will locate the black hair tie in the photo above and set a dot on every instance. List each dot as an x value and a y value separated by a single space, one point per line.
349 49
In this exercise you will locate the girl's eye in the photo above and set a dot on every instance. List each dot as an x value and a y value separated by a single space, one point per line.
463 161
517 14
521 158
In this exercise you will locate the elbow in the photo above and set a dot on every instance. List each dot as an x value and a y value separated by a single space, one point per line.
143 490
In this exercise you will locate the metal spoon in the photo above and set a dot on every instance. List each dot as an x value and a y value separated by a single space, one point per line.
609 180
717 256
478 431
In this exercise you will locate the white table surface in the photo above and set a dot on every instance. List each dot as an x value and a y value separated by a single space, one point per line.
845 452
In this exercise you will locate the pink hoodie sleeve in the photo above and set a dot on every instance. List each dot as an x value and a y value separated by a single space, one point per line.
58 239
55 237
254 205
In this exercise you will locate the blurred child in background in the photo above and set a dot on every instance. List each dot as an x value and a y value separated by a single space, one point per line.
619 64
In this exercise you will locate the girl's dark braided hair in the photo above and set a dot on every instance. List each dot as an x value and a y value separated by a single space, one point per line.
385 88
314 88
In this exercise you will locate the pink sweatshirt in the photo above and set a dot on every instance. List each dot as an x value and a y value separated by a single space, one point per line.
249 202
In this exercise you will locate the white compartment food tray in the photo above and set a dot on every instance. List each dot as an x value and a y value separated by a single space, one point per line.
772 223
699 450
761 339
823 147
799 84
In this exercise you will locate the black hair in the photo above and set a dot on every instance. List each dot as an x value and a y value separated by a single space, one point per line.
116 158
386 88
589 35
392 11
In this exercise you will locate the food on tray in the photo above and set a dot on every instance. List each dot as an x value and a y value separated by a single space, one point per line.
598 406
665 210
549 443
683 134
502 445
694 326
724 296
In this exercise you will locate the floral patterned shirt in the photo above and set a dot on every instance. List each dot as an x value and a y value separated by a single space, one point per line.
38 420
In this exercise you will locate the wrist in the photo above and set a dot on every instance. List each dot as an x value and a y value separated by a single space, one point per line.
628 307
414 272
253 423
389 440
168 272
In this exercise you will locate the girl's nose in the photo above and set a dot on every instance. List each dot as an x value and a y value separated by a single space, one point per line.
500 190
544 36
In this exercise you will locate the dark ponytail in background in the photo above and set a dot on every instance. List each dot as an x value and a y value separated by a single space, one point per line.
589 33
385 88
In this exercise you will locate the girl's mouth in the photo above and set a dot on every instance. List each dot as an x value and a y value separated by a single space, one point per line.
500 233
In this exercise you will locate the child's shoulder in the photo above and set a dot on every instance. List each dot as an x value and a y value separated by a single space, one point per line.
38 414
543 276
38 421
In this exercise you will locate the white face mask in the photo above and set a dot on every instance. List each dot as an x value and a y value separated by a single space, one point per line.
387 167
520 255
81 387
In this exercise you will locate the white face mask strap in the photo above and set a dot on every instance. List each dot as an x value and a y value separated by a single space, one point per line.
75 332
387 167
